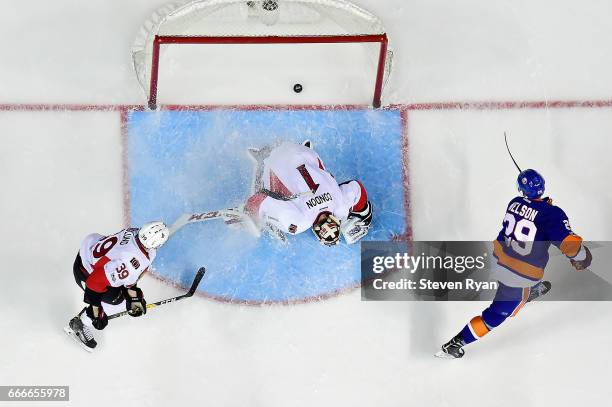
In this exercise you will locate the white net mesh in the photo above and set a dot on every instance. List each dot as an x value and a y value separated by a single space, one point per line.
242 18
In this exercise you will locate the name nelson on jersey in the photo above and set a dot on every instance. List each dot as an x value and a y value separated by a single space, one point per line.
318 200
523 211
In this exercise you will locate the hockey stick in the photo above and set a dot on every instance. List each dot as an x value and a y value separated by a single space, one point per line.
229 215
508 148
192 290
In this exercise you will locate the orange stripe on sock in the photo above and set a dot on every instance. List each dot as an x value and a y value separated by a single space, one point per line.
479 327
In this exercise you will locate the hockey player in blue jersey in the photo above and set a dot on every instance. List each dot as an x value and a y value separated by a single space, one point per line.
531 224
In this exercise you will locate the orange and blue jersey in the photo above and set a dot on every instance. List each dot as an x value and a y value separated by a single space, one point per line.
529 227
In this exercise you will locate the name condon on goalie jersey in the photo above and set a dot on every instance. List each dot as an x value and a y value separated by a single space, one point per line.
318 200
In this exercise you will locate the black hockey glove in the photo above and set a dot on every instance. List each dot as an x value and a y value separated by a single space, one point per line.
135 303
98 317
583 264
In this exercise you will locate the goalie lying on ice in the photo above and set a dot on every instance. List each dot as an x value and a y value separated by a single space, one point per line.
293 192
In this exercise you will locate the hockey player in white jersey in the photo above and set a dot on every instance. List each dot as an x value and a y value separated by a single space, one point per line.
108 268
294 192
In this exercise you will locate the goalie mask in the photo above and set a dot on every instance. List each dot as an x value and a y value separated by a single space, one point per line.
327 229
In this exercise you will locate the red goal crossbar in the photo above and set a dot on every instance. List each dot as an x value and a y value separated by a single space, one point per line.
318 39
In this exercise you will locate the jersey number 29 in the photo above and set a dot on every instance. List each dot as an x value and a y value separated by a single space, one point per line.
519 235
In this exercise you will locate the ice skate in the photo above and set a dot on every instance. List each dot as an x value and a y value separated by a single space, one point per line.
258 155
81 334
539 290
452 349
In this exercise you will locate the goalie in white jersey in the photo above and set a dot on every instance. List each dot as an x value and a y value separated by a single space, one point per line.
108 268
294 192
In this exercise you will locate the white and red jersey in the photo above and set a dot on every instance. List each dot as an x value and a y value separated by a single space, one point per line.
301 189
116 260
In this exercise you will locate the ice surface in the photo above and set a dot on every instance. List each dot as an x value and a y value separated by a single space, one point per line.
61 174
568 146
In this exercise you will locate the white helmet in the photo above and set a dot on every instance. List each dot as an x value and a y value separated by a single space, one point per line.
153 235
327 228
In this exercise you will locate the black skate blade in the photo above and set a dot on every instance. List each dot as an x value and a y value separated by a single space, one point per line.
72 335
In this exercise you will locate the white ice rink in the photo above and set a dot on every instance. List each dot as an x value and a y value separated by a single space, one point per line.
61 176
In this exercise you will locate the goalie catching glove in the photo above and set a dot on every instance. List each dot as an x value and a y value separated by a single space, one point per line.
357 225
135 303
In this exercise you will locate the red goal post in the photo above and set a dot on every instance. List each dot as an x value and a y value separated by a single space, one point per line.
290 22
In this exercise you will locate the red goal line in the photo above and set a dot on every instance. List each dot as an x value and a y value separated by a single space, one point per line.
491 105
467 105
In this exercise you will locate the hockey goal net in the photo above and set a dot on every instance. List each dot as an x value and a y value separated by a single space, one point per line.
257 52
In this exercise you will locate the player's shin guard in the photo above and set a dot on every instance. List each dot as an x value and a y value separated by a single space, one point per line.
507 303
475 329
492 317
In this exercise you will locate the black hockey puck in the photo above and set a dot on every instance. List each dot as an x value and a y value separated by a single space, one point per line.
269 5
297 88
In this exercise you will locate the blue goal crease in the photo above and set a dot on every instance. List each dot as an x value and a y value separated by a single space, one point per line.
193 161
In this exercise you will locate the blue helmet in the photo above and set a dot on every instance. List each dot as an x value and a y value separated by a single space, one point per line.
531 184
